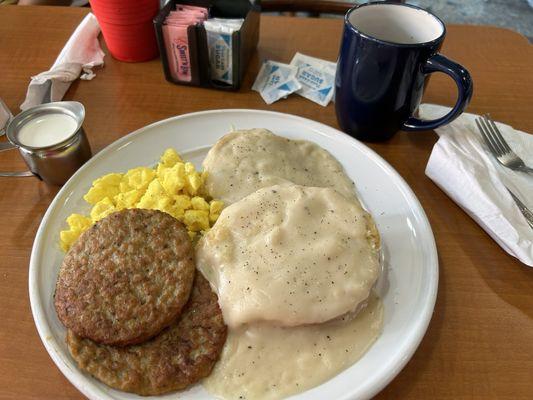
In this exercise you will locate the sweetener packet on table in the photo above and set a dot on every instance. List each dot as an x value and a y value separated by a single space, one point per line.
305 59
317 78
219 33
275 81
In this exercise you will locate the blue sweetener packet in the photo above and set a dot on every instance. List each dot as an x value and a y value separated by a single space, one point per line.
317 78
219 33
275 81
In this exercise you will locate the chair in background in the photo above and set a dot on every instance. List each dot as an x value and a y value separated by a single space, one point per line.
313 8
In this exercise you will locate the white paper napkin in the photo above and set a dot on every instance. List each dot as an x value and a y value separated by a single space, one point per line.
81 54
462 166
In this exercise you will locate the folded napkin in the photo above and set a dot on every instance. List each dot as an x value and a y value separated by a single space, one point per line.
462 166
81 54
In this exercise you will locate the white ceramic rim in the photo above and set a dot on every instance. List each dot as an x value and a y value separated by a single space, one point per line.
367 389
351 15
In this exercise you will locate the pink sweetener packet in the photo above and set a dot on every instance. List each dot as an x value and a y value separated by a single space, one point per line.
198 18
177 47
185 22
180 10
186 7
187 13
185 18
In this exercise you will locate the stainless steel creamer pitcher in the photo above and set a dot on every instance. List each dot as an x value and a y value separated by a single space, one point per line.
54 163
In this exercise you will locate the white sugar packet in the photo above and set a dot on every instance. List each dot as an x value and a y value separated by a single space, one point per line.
80 55
462 166
219 33
275 81
305 59
317 78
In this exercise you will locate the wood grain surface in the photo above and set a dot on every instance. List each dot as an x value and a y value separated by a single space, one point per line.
479 344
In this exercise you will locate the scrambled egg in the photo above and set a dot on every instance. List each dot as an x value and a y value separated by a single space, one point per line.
174 187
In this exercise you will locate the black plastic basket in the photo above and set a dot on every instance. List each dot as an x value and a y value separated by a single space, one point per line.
244 43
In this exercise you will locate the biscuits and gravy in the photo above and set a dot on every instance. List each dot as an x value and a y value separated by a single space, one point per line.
293 259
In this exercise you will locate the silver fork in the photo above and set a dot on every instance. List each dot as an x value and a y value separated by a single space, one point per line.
526 212
498 146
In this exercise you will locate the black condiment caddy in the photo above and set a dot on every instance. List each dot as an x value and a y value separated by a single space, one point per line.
244 41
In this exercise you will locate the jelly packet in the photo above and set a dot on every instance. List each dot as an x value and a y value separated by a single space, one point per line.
220 47
317 78
276 80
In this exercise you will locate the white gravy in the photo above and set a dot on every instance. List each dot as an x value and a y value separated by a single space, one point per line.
244 161
293 266
263 362
290 255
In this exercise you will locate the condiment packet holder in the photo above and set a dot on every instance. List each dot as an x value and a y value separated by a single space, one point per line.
243 43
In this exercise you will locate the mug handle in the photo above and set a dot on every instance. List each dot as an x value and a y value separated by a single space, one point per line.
465 86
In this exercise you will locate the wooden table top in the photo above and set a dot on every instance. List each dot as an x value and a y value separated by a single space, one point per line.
480 340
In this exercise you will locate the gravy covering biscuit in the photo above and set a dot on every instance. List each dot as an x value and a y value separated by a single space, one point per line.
291 255
244 161
126 278
181 355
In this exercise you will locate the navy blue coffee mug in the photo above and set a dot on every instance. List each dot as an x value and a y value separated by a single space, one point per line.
387 51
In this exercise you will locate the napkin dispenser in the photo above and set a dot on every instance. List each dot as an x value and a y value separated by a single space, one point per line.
244 42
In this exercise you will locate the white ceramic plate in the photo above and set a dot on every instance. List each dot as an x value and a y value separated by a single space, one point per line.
408 286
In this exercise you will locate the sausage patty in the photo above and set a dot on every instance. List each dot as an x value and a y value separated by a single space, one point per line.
176 358
126 278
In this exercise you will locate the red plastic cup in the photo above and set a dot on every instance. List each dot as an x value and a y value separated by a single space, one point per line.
120 8
131 43
128 28
119 13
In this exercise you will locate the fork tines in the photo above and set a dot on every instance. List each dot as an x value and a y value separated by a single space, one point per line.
492 136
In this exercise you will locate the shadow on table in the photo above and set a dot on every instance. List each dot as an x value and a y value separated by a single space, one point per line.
511 280
24 232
